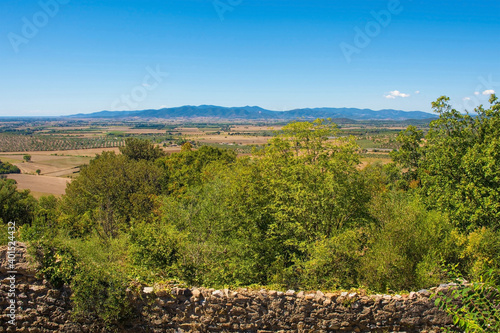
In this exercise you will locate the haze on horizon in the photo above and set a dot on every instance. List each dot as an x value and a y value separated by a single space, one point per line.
61 57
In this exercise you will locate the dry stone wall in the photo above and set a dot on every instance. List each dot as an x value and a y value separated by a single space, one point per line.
42 308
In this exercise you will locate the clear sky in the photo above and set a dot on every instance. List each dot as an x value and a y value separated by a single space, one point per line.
62 57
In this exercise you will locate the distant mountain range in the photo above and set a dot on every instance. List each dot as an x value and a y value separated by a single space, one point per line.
256 113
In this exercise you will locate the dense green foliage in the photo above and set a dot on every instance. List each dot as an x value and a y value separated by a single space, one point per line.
137 149
300 213
474 307
16 206
109 194
97 278
6 167
461 168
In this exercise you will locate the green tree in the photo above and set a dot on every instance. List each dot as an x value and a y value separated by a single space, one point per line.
407 245
27 158
6 167
191 167
15 206
256 220
409 155
461 170
140 149
44 222
109 194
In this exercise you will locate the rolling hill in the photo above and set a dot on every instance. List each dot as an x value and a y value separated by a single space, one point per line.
255 112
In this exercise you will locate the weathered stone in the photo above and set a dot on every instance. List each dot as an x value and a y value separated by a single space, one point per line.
319 295
218 293
173 309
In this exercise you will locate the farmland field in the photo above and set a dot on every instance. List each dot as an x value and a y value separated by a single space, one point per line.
59 148
40 185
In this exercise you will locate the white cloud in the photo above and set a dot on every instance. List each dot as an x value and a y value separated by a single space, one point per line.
488 92
396 93
417 92
476 93
466 98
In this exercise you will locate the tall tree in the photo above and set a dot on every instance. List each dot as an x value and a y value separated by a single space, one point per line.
109 193
140 149
15 206
461 169
409 155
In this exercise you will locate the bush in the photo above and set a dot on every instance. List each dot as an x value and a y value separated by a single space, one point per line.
474 307
408 245
99 292
16 206
56 261
333 262
95 271
155 246
44 223
481 253
6 167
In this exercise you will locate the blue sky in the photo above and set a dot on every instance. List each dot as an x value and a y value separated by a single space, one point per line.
62 57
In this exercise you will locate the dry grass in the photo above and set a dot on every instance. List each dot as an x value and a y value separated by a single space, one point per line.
41 185
238 139
254 128
371 160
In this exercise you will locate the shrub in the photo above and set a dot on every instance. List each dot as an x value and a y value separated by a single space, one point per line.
474 307
98 291
155 245
94 270
56 261
407 246
481 253
333 262
6 167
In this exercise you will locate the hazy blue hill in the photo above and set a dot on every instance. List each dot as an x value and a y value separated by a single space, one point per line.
255 112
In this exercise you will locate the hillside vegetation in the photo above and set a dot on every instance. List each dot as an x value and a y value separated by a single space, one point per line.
299 214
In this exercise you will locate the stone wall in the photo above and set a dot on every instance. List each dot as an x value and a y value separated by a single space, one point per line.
41 308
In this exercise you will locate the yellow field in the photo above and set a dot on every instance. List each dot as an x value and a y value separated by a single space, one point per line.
40 185
55 170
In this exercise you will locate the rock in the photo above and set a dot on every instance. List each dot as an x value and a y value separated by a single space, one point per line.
196 292
424 292
310 296
319 295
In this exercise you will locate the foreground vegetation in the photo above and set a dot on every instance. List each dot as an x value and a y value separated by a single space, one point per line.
298 214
